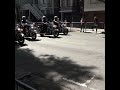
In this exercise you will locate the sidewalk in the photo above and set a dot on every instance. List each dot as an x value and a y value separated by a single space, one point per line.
73 29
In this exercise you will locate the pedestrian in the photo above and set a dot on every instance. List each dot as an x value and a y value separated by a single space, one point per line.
95 23
81 25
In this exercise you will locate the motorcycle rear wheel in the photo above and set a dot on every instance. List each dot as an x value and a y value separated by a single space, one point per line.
21 40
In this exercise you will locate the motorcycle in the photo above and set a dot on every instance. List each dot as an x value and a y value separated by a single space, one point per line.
19 36
63 29
29 30
55 31
48 29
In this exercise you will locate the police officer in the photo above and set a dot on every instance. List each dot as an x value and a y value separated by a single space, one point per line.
24 24
24 20
55 21
44 23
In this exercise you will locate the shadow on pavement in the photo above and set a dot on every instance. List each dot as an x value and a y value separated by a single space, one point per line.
17 45
50 68
54 37
102 33
87 32
30 39
51 36
62 34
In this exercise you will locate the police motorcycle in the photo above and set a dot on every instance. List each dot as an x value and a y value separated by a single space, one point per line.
19 36
63 28
29 28
47 28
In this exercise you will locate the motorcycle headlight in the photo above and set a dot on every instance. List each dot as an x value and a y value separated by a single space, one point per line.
35 30
22 35
54 26
32 27
21 29
18 29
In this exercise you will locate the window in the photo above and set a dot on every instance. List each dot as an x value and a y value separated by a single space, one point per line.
43 11
68 3
62 3
49 3
36 1
94 1
43 1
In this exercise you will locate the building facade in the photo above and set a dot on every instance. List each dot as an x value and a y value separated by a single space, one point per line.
50 8
94 7
35 9
71 10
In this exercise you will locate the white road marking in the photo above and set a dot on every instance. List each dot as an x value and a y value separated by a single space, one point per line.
88 81
81 84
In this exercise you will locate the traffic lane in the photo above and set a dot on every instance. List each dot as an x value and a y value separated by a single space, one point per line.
66 43
79 54
87 38
72 45
65 46
80 38
52 47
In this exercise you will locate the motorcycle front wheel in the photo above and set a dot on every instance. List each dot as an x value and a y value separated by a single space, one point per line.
42 35
56 34
65 32
34 35
21 40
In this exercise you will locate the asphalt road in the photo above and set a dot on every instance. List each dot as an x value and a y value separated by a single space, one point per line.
73 62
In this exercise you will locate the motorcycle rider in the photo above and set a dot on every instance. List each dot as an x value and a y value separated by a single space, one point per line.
44 24
24 24
23 20
55 21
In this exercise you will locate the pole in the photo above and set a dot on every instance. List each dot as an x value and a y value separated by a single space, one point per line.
71 25
29 14
61 16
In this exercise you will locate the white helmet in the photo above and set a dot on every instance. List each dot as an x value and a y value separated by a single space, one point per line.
55 17
23 16
43 17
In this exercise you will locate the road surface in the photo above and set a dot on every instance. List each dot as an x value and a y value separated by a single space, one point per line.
74 62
